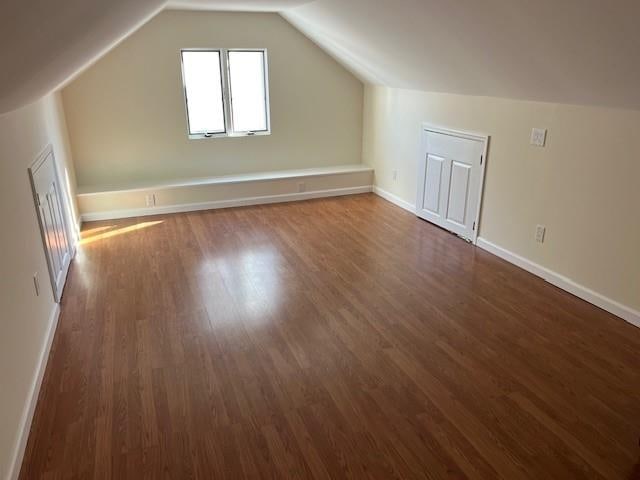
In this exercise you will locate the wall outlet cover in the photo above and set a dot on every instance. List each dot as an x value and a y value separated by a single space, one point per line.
539 137
541 230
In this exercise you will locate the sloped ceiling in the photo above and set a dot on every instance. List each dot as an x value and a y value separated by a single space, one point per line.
565 51
236 5
44 43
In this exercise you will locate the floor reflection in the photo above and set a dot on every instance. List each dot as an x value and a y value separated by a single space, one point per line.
251 279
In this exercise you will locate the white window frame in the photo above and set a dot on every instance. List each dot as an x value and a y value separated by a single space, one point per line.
226 94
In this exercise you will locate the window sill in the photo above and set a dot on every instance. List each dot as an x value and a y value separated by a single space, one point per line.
229 135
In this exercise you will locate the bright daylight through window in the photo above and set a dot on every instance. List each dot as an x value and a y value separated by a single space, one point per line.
226 92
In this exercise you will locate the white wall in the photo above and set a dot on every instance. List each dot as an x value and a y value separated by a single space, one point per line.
126 114
583 186
25 319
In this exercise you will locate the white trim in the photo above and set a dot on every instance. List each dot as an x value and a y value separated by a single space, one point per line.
227 96
471 135
394 199
32 400
477 136
616 308
228 179
64 210
627 313
216 204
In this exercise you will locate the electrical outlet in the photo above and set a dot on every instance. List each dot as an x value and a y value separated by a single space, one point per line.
302 187
36 283
395 175
541 230
539 137
151 200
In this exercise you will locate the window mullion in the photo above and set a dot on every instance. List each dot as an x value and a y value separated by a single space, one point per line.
228 118
267 101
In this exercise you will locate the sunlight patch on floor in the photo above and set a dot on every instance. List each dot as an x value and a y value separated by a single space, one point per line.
112 233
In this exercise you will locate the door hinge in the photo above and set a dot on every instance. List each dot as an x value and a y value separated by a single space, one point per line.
481 159
474 226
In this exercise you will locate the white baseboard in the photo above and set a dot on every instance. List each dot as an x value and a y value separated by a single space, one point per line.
394 199
627 313
30 407
217 204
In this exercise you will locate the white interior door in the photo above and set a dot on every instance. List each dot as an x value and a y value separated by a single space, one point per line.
450 180
53 224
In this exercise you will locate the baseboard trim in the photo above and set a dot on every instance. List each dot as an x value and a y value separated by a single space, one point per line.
616 308
394 199
30 407
626 313
217 204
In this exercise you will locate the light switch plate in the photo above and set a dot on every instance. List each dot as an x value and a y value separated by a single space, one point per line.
539 137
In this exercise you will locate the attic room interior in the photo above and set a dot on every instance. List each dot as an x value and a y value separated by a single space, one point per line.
320 239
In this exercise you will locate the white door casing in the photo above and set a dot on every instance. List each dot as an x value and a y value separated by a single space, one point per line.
450 179
51 212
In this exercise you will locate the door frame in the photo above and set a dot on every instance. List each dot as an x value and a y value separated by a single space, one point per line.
469 135
35 165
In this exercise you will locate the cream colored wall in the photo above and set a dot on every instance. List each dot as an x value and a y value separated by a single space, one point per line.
583 186
126 114
24 317
58 133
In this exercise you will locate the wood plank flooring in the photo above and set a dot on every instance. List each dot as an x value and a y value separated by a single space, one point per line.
336 338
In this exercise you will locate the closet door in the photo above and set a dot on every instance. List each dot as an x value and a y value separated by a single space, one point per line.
450 181
51 216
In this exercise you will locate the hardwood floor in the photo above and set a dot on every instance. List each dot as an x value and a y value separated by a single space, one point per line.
337 338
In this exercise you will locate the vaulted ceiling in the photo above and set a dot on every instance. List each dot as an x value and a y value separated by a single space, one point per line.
236 5
43 42
566 51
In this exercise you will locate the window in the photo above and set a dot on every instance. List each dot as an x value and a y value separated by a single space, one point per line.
226 92
203 89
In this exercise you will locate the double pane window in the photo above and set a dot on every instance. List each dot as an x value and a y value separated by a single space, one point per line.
226 92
